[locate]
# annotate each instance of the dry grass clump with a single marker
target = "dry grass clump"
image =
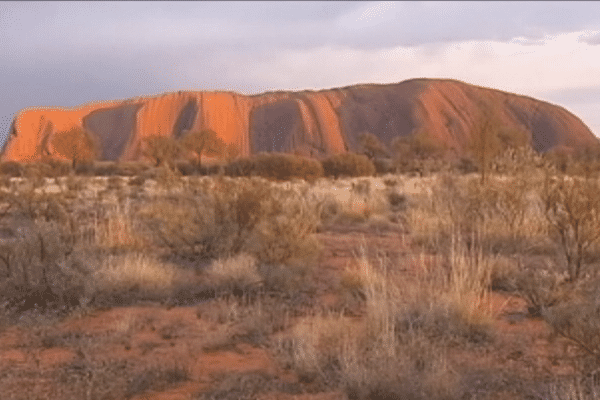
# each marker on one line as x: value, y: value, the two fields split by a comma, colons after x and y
x: 351, y: 200
x: 235, y: 273
x: 11, y: 169
x: 397, y: 348
x: 248, y: 318
x: 469, y: 283
x: 337, y: 353
x: 134, y: 271
x: 116, y: 231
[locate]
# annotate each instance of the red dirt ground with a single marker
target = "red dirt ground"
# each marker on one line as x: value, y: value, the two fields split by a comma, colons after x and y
x: 155, y: 335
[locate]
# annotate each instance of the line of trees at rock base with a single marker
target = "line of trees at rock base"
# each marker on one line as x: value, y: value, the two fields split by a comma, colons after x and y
x: 492, y: 148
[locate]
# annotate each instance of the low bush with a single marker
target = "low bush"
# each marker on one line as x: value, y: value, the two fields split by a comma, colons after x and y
x: 277, y: 166
x: 578, y: 321
x: 41, y: 265
x: 187, y: 168
x: 224, y: 217
x: 348, y: 164
x: 572, y: 208
x: 85, y: 169
x: 383, y: 166
x: 112, y: 168
x: 12, y: 169
x: 47, y: 169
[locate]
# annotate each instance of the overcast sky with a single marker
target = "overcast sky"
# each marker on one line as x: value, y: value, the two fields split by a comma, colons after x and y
x: 69, y: 53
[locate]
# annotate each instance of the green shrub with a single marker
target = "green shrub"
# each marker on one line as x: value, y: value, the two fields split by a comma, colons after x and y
x: 277, y: 166
x: 348, y: 164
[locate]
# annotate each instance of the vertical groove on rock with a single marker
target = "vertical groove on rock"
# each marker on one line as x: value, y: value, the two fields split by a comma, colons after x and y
x: 317, y: 123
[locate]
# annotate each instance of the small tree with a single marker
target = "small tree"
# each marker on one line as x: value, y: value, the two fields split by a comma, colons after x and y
x: 371, y: 146
x: 204, y: 142
x: 415, y: 149
x: 485, y: 143
x: 75, y: 144
x: 161, y: 149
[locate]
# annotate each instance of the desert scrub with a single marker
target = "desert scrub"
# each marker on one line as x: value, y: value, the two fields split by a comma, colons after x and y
x: 350, y: 200
x: 219, y: 217
x: 505, y: 211
x: 116, y: 230
x: 349, y: 165
x: 43, y: 258
x: 278, y: 166
x: 572, y: 208
x: 238, y: 273
x: 397, y: 349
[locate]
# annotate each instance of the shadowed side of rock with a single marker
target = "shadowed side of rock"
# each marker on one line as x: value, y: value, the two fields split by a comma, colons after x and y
x: 312, y: 123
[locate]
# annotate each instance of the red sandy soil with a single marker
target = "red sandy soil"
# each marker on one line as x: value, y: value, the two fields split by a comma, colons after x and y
x: 522, y: 347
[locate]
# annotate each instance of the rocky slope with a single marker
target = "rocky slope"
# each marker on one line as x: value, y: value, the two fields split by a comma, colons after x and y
x: 311, y: 123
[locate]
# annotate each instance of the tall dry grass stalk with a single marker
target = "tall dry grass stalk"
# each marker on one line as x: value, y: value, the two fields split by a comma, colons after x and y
x: 469, y: 285
x: 116, y: 231
x: 381, y: 299
x: 373, y: 353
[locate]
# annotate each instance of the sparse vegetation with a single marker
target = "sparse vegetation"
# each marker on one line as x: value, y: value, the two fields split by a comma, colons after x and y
x: 277, y: 166
x: 225, y: 217
x: 417, y: 152
x: 572, y: 207
x: 348, y: 165
x: 371, y: 146
x: 126, y: 249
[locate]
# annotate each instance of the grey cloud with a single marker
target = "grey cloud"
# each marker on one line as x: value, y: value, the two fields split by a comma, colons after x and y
x: 577, y: 95
x: 592, y: 40
x: 67, y: 53
x: 59, y: 29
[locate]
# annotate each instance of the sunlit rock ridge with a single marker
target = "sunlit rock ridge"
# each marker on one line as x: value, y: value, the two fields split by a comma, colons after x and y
x: 312, y: 123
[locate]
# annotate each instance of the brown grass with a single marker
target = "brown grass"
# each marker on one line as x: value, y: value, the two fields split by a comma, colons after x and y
x: 254, y: 244
x: 135, y: 270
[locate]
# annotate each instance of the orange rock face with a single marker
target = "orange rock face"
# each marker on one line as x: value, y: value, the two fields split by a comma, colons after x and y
x: 312, y: 123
